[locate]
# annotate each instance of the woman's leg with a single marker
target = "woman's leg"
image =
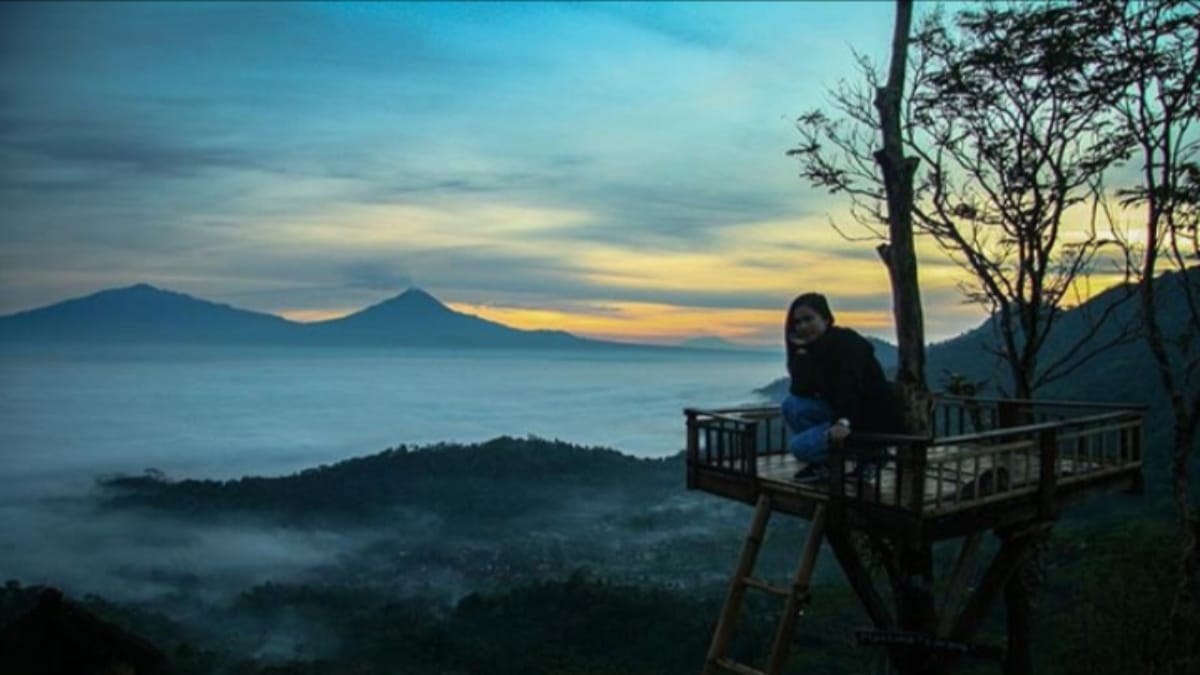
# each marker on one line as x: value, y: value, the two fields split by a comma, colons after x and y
x: 809, y: 420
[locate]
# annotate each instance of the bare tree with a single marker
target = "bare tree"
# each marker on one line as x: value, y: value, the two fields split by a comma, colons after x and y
x: 909, y: 563
x: 1006, y: 130
x: 899, y: 255
x: 1011, y: 131
x: 1155, y: 53
x: 897, y: 172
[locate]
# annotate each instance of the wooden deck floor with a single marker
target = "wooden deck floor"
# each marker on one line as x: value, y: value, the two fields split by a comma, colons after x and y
x: 963, y: 481
x: 999, y: 470
x: 946, y: 487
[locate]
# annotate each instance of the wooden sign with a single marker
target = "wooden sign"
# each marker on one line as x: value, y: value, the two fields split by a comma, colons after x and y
x: 899, y: 638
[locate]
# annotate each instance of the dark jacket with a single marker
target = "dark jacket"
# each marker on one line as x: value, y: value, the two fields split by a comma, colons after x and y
x: 840, y: 368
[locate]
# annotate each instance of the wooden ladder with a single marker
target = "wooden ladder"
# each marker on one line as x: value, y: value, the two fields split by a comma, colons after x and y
x: 796, y: 595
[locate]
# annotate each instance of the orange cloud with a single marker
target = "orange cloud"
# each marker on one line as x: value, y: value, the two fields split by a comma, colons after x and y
x: 662, y: 323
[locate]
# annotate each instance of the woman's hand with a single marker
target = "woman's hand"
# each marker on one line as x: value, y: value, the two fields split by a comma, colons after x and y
x: 839, y: 431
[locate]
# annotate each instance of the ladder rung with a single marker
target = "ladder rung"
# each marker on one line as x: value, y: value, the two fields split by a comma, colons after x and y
x: 755, y: 582
x: 802, y: 594
x: 734, y: 666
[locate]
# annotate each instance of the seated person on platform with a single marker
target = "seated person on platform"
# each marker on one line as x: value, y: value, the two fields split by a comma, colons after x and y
x: 836, y: 385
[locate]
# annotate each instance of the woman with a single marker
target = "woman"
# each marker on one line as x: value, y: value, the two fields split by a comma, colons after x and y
x: 836, y: 385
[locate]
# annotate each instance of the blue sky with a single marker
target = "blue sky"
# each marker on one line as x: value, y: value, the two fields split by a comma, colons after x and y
x: 613, y: 169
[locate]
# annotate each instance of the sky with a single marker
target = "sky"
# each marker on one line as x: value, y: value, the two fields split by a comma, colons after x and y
x: 616, y: 170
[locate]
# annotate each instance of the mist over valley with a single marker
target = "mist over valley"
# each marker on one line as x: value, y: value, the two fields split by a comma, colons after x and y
x: 294, y: 504
x: 178, y: 479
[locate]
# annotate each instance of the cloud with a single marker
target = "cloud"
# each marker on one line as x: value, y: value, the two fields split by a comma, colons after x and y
x: 376, y: 276
x: 664, y: 21
x: 115, y: 149
x: 301, y: 157
x: 141, y: 558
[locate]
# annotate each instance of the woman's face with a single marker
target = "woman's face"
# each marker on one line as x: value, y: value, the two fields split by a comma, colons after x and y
x: 807, y: 324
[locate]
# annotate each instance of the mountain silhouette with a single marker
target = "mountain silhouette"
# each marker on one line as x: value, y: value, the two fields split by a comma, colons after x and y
x: 417, y: 318
x: 143, y: 314
x: 714, y: 343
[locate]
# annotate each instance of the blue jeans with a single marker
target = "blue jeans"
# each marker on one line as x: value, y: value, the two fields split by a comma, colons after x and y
x: 809, y: 420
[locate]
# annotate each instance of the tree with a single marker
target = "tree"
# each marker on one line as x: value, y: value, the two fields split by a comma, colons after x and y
x: 912, y: 569
x: 1011, y: 131
x: 1009, y: 127
x: 897, y: 173
x: 1155, y: 62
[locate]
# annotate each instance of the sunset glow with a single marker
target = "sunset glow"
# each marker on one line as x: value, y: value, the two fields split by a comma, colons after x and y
x: 615, y: 170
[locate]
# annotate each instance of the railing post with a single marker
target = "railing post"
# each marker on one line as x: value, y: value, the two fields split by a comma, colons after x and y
x: 1136, y: 438
x: 1047, y: 477
x: 837, y: 472
x: 722, y: 429
x: 910, y: 488
x: 693, y: 447
x: 1006, y: 414
x: 750, y: 449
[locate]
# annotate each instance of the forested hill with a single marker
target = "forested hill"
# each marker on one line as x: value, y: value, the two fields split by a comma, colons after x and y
x: 501, y: 478
x: 972, y: 356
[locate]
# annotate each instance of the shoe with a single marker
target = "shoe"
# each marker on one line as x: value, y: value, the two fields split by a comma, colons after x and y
x: 812, y: 473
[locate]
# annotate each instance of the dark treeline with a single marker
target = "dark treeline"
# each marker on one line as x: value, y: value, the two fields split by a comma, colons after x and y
x: 505, y: 511
x: 1100, y: 611
x: 634, y: 589
x: 502, y: 478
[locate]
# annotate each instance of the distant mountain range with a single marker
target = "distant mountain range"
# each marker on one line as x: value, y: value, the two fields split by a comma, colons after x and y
x: 143, y: 314
x: 715, y: 343
x: 1125, y: 372
x: 885, y: 351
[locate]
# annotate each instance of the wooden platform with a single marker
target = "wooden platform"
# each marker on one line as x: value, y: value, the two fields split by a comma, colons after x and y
x: 995, y: 462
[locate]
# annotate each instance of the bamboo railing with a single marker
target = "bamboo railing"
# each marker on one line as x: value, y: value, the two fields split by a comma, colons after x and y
x: 981, y: 451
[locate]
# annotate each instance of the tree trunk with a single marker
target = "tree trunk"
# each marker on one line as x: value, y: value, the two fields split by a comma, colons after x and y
x: 1180, y: 650
x: 915, y: 610
x: 913, y: 586
x: 1183, y: 614
x: 899, y: 254
x: 1018, y: 608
